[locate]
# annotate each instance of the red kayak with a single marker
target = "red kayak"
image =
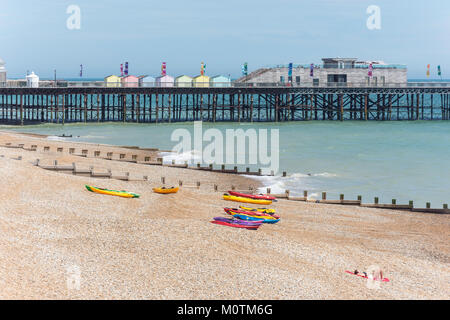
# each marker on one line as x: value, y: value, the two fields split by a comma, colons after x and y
x: 251, y: 196
x: 235, y: 225
x: 231, y: 211
x: 359, y: 275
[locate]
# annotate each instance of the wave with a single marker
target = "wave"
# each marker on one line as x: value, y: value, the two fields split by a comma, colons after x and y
x: 92, y: 137
x: 56, y: 138
x: 306, y: 175
x: 180, y: 158
x: 296, y: 183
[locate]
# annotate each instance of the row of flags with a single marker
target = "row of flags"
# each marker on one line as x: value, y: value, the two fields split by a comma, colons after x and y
x: 439, y: 72
x: 124, y: 71
x: 291, y: 66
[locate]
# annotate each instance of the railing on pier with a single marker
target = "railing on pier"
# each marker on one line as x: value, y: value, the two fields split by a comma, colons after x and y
x: 102, y: 84
x: 339, y: 66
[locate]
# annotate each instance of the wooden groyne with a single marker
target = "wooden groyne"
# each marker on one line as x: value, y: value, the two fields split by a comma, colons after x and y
x: 247, y: 104
x: 108, y: 174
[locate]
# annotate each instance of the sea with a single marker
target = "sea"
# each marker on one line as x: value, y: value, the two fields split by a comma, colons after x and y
x: 402, y: 160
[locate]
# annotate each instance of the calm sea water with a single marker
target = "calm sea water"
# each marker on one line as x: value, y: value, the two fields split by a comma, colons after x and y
x: 401, y: 160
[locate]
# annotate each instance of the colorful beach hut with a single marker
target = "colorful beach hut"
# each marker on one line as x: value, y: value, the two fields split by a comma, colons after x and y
x: 201, y: 81
x: 130, y: 81
x: 183, y: 81
x: 164, y: 81
x: 112, y: 81
x: 220, y: 81
x: 146, y: 81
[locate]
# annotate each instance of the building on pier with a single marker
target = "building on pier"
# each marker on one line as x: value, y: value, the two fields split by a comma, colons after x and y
x: 32, y: 80
x: 130, y: 81
x: 201, y: 81
x: 331, y: 71
x: 164, y: 81
x: 2, y: 71
x: 183, y: 81
x: 146, y: 81
x: 112, y: 81
x: 220, y: 81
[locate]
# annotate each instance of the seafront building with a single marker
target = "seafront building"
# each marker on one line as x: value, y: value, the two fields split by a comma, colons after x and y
x: 146, y: 81
x: 331, y: 71
x: 183, y: 81
x: 130, y: 81
x: 164, y: 81
x: 2, y: 71
x: 201, y: 81
x: 112, y: 81
x: 220, y: 81
x: 32, y: 80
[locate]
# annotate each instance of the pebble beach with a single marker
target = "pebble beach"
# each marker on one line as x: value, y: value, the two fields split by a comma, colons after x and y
x: 164, y: 246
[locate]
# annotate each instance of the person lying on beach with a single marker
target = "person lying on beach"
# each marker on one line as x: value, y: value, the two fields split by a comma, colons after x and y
x: 377, y: 276
x: 356, y: 272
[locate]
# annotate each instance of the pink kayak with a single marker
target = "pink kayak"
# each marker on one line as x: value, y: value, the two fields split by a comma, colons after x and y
x: 252, y: 196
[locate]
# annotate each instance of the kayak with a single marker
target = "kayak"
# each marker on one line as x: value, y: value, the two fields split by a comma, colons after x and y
x: 359, y: 275
x: 241, y: 222
x: 232, y: 223
x: 264, y: 210
x: 251, y: 196
x: 124, y: 194
x: 254, y: 213
x: 165, y: 190
x: 253, y: 218
x: 246, y: 200
x: 251, y: 213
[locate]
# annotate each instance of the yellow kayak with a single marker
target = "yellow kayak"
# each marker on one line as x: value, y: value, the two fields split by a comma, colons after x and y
x: 263, y: 210
x: 123, y: 194
x: 246, y: 200
x: 165, y: 190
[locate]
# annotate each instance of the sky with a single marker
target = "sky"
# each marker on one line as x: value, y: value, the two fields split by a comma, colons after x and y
x: 224, y: 34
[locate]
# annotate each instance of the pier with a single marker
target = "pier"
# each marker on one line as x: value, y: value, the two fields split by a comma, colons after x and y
x: 237, y: 103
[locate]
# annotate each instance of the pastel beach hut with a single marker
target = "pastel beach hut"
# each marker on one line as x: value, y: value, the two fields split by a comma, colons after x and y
x: 164, y: 81
x: 130, y: 81
x: 220, y: 81
x: 183, y: 81
x: 146, y: 81
x: 112, y: 81
x: 201, y: 81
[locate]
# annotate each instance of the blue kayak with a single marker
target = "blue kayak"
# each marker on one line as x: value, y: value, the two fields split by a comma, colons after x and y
x: 248, y: 218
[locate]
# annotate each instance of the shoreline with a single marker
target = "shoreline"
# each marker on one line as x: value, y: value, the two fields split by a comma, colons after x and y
x: 260, y: 183
x: 163, y: 247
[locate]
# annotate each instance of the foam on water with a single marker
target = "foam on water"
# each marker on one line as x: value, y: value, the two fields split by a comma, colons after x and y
x: 180, y: 158
x: 296, y: 183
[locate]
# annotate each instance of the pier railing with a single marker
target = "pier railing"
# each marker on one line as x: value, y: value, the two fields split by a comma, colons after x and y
x: 102, y: 84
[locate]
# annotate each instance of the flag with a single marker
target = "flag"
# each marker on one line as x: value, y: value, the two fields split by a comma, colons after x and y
x: 370, y: 73
x: 81, y: 70
x: 202, y: 69
x: 121, y: 70
x: 163, y: 69
x: 290, y: 70
x: 311, y: 70
x: 126, y: 68
x: 439, y: 71
x: 244, y: 69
